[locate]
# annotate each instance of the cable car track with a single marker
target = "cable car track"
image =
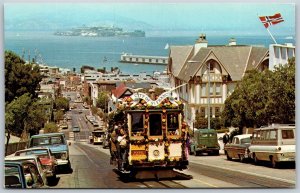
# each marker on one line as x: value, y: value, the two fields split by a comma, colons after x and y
x: 162, y: 184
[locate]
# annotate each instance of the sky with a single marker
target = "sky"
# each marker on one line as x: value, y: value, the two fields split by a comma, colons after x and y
x: 176, y: 17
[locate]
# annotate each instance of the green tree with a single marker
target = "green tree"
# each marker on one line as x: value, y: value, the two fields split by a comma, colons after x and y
x: 102, y: 100
x: 58, y: 115
x: 87, y: 100
x: 15, y: 115
x: 200, y: 122
x: 36, y: 117
x: 216, y: 123
x: 281, y: 101
x: 20, y: 78
x: 50, y: 128
x: 262, y: 98
x: 61, y: 103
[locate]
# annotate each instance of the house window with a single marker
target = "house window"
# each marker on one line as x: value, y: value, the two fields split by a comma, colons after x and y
x: 218, y: 89
x: 211, y: 89
x: 211, y: 67
x: 203, y: 89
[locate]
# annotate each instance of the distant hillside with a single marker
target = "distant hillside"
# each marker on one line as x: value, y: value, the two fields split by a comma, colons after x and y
x: 50, y: 20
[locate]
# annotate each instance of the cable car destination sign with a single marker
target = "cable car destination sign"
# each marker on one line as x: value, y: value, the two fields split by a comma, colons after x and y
x: 137, y: 96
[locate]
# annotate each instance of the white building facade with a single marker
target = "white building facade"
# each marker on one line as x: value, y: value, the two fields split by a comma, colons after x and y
x: 280, y: 54
x: 210, y: 74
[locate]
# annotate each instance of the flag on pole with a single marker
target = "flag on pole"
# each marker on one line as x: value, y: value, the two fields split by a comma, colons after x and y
x: 271, y: 20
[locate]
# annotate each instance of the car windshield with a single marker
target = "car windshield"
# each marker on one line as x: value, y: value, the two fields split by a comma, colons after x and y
x: 98, y: 134
x: 12, y: 176
x: 33, y: 152
x: 47, y: 141
x: 245, y: 140
x: 11, y: 170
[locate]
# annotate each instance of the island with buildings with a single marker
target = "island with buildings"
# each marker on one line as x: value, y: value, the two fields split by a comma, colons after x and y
x: 101, y: 31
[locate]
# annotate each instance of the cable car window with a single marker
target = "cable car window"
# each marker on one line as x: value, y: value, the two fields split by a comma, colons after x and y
x: 287, y: 134
x: 137, y: 123
x: 155, y: 124
x: 172, y: 124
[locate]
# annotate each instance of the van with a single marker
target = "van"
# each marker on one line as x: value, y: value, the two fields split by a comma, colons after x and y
x: 275, y: 143
x: 205, y: 141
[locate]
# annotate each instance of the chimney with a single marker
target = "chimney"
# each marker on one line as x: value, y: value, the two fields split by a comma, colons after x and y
x: 200, y: 43
x: 232, y: 42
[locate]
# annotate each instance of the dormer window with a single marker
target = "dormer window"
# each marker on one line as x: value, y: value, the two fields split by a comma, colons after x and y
x: 211, y: 67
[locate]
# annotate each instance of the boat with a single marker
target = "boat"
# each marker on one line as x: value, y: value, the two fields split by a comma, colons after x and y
x: 167, y: 46
x: 289, y: 38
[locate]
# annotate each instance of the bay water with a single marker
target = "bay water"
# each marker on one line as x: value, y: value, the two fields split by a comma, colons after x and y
x: 75, y: 51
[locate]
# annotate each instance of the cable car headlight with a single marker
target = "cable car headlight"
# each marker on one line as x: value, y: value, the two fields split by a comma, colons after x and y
x: 156, y: 153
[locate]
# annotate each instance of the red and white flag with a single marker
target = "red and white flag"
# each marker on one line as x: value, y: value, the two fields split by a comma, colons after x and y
x: 271, y: 20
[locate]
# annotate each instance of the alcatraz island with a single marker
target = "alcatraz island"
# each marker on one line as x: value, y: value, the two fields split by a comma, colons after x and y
x: 100, y: 31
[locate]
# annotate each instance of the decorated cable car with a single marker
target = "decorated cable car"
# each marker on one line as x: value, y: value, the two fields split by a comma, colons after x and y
x: 157, y: 135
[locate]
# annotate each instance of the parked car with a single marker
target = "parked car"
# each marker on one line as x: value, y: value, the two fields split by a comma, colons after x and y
x: 57, y: 143
x: 205, y: 141
x: 76, y: 129
x: 47, y: 159
x: 33, y: 159
x: 238, y: 148
x: 64, y: 126
x: 275, y: 143
x: 22, y: 174
x: 95, y: 123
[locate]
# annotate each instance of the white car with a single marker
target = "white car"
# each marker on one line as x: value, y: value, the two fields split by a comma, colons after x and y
x: 32, y: 158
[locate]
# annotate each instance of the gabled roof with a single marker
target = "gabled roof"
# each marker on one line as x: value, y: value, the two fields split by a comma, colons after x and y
x: 179, y: 55
x: 120, y: 90
x: 235, y: 59
x: 190, y: 68
x: 257, y: 54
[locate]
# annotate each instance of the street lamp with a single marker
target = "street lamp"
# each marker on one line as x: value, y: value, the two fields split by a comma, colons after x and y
x: 208, y: 102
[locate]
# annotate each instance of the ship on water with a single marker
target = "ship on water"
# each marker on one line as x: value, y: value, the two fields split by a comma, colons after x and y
x: 101, y: 31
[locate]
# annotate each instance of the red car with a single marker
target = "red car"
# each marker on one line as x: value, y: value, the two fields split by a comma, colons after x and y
x: 48, y: 161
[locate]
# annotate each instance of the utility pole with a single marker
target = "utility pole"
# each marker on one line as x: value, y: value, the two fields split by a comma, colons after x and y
x: 208, y: 102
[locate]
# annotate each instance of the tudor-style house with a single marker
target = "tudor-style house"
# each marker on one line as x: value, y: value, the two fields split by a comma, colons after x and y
x: 211, y: 72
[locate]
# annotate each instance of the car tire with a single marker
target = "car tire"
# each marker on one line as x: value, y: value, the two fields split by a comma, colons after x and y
x: 190, y: 152
x: 273, y: 162
x: 69, y: 168
x: 227, y: 156
x: 217, y: 152
x: 242, y: 158
x: 197, y: 153
x: 256, y: 161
